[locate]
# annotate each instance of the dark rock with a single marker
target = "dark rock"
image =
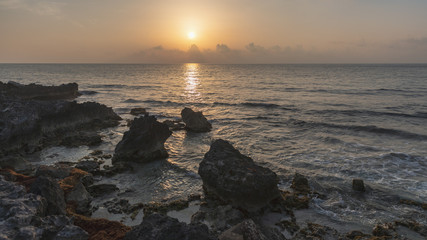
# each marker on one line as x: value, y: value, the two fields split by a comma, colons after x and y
x: 35, y: 91
x: 195, y: 121
x: 29, y: 125
x: 51, y: 191
x: 118, y: 167
x: 96, y: 153
x: 174, y: 125
x: 358, y: 185
x: 81, y: 198
x: 160, y: 227
x: 138, y: 111
x: 163, y: 208
x: 58, y: 172
x: 219, y: 217
x: 88, y: 166
x: 143, y: 142
x: 246, y: 230
x: 101, y: 189
x: 295, y: 200
x: 71, y: 232
x: 316, y: 231
x: 117, y: 206
x: 82, y: 138
x: 16, y: 163
x: 235, y: 177
x: 300, y: 184
x: 385, y: 229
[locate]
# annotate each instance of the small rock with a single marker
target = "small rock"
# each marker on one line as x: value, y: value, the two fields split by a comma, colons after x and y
x: 358, y: 185
x: 138, y: 111
x: 195, y: 121
x: 300, y: 184
x: 71, y: 232
x: 174, y: 125
x: 88, y: 166
x: 101, y: 189
x: 96, y: 153
x: 80, y: 139
x: 160, y: 227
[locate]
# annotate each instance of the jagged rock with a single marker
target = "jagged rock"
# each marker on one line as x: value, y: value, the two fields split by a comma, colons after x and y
x: 143, y: 142
x: 35, y: 91
x: 300, y: 184
x: 82, y: 138
x: 29, y: 125
x: 138, y: 111
x: 58, y: 172
x: 246, y: 230
x: 101, y: 189
x: 358, y: 185
x: 71, y: 232
x: 160, y: 227
x: 51, y: 191
x: 88, y: 166
x: 174, y: 125
x: 235, y: 177
x: 195, y: 121
x: 81, y: 198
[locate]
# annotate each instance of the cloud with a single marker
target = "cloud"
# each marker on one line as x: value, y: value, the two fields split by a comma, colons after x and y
x: 43, y: 7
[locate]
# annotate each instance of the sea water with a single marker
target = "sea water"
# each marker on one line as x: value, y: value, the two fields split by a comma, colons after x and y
x: 331, y: 123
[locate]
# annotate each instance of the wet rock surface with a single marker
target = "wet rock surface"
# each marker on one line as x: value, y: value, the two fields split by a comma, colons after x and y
x: 143, y: 142
x: 160, y: 227
x: 51, y: 191
x: 195, y: 121
x: 235, y: 177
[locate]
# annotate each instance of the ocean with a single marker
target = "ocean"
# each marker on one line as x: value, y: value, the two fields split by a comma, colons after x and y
x: 331, y: 123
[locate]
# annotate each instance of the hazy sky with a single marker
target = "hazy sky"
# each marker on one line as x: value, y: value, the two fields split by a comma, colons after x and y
x: 227, y: 31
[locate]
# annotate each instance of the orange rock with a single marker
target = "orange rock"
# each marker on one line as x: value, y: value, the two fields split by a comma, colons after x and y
x: 67, y: 184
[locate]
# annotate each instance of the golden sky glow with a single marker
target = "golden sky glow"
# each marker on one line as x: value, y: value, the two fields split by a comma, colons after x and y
x: 282, y: 31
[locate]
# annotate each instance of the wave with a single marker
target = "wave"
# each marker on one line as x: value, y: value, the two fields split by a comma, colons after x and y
x: 370, y: 113
x: 357, y: 128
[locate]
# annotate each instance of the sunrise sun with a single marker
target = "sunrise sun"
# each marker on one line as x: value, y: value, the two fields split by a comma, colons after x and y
x: 191, y: 35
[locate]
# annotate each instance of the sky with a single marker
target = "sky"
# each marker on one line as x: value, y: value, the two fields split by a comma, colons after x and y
x: 226, y: 31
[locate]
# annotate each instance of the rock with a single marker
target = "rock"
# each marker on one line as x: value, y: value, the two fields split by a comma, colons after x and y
x: 195, y: 121
x: 99, y: 228
x: 51, y: 191
x: 82, y: 138
x: 246, y: 230
x: 88, y: 166
x: 143, y: 142
x: 101, y: 189
x: 174, y: 125
x: 118, y: 206
x: 96, y: 153
x: 160, y: 227
x: 16, y: 163
x: 295, y: 200
x: 316, y: 231
x: 219, y: 217
x: 300, y: 184
x: 118, y: 167
x: 35, y: 91
x: 71, y: 232
x: 358, y: 185
x: 58, y: 172
x: 235, y: 177
x: 29, y: 125
x: 81, y: 198
x: 138, y: 111
x: 385, y: 229
x: 76, y: 176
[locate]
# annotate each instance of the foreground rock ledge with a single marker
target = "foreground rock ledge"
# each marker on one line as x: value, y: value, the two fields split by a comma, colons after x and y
x: 143, y: 142
x: 234, y: 177
x: 195, y: 121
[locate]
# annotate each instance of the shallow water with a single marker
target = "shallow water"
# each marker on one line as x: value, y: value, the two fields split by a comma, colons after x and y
x: 331, y: 123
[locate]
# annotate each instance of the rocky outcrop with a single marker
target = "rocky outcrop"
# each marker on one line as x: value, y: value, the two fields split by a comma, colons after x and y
x: 39, y: 92
x: 160, y: 227
x: 22, y: 216
x: 51, y: 191
x: 234, y: 177
x: 143, y: 142
x: 29, y: 125
x: 195, y: 121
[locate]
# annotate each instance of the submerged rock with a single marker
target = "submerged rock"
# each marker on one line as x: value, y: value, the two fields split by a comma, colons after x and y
x: 143, y: 142
x: 138, y: 111
x: 160, y: 227
x: 358, y: 185
x: 235, y: 177
x: 102, y: 189
x: 195, y: 121
x: 39, y: 92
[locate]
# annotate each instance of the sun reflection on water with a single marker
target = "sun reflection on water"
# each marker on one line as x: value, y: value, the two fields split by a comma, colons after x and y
x: 192, y: 82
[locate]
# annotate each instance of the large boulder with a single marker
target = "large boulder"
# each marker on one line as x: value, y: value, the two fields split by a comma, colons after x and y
x: 29, y: 125
x: 52, y: 192
x: 195, y: 121
x: 160, y: 227
x: 235, y: 178
x: 39, y: 92
x: 143, y: 142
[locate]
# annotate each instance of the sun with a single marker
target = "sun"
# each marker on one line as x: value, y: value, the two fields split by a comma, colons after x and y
x: 191, y: 35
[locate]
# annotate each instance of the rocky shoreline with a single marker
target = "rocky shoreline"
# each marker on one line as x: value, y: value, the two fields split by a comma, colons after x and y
x: 240, y: 199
